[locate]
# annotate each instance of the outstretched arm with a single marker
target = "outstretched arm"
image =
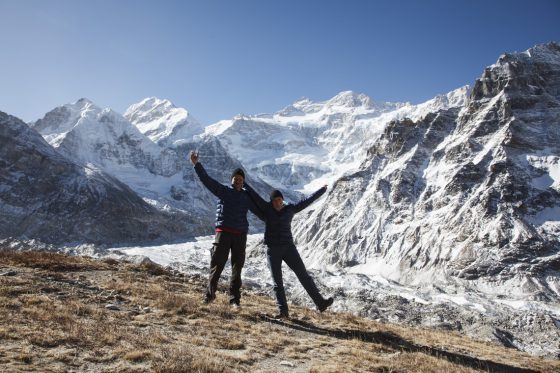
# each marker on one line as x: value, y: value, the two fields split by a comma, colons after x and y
x: 213, y: 186
x: 258, y: 205
x: 309, y: 200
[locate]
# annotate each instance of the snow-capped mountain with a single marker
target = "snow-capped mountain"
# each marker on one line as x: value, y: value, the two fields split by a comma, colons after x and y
x: 163, y: 122
x: 91, y: 135
x: 467, y: 196
x: 308, y: 144
x: 163, y: 175
x: 45, y: 196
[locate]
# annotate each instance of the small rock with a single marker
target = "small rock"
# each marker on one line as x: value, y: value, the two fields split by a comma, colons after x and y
x: 445, y: 326
x: 555, y: 321
x: 112, y: 307
x: 9, y: 273
x: 146, y: 310
x: 287, y: 363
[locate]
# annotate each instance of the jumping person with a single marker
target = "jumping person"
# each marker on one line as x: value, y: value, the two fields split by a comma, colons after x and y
x: 231, y: 229
x: 280, y: 246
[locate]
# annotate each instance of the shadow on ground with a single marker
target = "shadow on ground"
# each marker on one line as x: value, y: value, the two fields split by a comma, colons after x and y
x: 397, y: 343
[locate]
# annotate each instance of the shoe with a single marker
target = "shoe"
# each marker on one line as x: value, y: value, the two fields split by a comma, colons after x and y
x: 281, y: 316
x: 208, y: 299
x: 326, y: 303
x: 235, y: 306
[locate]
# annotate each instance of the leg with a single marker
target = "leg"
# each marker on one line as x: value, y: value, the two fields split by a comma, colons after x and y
x: 274, y: 260
x: 218, y: 259
x: 239, y: 243
x: 293, y: 260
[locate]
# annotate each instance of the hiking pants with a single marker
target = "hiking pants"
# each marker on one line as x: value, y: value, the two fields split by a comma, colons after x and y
x: 290, y: 255
x: 223, y: 243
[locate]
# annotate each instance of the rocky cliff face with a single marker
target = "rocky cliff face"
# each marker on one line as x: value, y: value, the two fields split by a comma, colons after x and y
x: 45, y: 196
x: 469, y: 195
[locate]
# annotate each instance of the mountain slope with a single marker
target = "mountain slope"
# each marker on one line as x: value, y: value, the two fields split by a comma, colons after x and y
x: 465, y: 196
x: 45, y: 196
x: 308, y: 144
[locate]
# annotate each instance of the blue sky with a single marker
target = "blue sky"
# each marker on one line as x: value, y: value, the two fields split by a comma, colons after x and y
x: 221, y: 58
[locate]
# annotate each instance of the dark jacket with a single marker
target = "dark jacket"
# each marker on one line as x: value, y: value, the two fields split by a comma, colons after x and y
x: 231, y: 210
x: 279, y: 223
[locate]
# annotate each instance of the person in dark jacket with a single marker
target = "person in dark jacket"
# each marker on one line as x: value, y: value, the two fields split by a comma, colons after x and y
x: 280, y: 246
x: 231, y: 229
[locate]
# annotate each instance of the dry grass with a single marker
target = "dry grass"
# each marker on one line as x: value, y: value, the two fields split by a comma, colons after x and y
x: 53, y: 316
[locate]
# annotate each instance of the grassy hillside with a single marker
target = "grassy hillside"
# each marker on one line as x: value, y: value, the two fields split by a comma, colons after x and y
x: 64, y: 313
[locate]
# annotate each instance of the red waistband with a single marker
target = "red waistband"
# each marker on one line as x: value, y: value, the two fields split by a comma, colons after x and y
x: 229, y: 230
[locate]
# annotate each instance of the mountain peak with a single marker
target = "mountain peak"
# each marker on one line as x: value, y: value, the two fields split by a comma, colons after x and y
x: 350, y: 99
x: 82, y: 104
x: 63, y: 118
x: 152, y: 103
x: 541, y: 63
x: 162, y: 121
x: 83, y: 101
x: 542, y: 53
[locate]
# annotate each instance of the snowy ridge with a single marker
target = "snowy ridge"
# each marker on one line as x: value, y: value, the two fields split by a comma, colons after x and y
x: 308, y: 144
x: 58, y: 122
x: 94, y: 135
x: 163, y: 122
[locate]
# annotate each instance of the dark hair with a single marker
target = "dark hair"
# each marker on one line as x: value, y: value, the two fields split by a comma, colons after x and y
x: 239, y: 172
x: 275, y: 194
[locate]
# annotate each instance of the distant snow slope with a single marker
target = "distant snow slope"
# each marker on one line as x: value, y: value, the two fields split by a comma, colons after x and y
x: 308, y: 144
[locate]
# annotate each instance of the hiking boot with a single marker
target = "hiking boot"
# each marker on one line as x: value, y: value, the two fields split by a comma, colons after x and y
x: 235, y: 306
x: 281, y: 316
x: 326, y: 303
x: 208, y: 299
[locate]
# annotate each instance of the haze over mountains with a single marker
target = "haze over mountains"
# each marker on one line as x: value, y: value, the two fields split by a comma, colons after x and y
x: 462, y: 190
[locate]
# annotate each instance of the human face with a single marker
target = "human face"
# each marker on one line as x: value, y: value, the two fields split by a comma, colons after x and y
x: 278, y: 203
x: 237, y: 182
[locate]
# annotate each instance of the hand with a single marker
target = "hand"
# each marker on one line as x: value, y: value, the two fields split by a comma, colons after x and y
x: 325, y: 186
x: 194, y: 157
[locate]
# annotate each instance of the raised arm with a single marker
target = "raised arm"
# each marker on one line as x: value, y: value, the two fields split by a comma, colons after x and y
x: 213, y: 186
x: 258, y: 204
x: 309, y: 200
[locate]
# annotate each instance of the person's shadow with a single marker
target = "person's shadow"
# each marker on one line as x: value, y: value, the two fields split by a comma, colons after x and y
x: 397, y: 343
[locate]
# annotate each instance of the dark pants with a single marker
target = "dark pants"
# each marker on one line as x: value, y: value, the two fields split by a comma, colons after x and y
x: 223, y: 243
x: 290, y: 255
